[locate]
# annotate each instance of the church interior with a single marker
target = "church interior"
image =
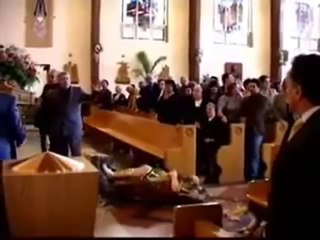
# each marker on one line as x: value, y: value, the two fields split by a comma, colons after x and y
x: 133, y: 118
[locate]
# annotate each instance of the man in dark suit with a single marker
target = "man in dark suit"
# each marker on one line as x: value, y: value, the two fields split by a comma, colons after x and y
x: 148, y: 95
x: 12, y: 132
x: 66, y: 127
x: 295, y: 178
x: 43, y: 115
x: 254, y: 111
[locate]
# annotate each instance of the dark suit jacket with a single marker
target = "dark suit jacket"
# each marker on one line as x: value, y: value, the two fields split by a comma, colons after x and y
x: 255, y: 109
x: 168, y: 110
x: 190, y: 114
x: 120, y: 101
x: 12, y: 132
x: 43, y: 115
x: 148, y: 97
x: 295, y: 184
x: 105, y: 99
x: 66, y: 111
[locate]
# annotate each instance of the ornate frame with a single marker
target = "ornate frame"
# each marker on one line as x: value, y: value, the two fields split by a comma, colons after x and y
x: 233, y: 37
x: 312, y: 43
x: 135, y: 28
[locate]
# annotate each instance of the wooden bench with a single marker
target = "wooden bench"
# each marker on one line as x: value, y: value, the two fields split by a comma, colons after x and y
x: 270, y: 150
x: 198, y: 220
x: 126, y: 110
x: 176, y: 145
x: 257, y: 195
x: 231, y: 157
x: 204, y: 220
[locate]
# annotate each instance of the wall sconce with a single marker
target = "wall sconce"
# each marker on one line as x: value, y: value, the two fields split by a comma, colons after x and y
x: 199, y: 55
x: 283, y: 57
x: 97, y: 50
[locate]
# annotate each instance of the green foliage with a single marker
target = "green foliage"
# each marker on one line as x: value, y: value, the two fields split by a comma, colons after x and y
x: 17, y: 66
x: 147, y: 67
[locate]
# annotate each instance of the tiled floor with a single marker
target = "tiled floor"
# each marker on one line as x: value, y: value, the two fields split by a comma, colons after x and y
x: 133, y: 221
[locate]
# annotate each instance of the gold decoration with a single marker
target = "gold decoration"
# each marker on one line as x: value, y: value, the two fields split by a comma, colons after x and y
x: 122, y: 77
x: 238, y: 131
x: 72, y: 69
x: 165, y: 73
x: 189, y: 132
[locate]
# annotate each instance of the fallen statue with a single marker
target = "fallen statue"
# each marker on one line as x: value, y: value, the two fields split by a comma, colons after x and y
x: 153, y: 185
x: 146, y: 183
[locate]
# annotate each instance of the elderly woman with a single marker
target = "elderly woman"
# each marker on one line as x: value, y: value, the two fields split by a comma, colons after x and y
x: 12, y: 133
x: 119, y: 99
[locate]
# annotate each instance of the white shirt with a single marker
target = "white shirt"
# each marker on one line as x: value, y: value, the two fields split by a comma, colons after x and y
x: 198, y: 103
x: 117, y: 96
x: 210, y: 119
x: 306, y: 115
x: 161, y: 94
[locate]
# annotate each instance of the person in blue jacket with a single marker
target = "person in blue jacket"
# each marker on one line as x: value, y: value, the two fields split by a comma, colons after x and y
x: 12, y: 132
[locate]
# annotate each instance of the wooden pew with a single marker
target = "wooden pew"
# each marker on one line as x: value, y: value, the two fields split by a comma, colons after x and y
x: 270, y: 150
x: 150, y: 115
x: 197, y: 220
x: 231, y: 157
x: 176, y: 145
x: 203, y: 220
x: 257, y: 195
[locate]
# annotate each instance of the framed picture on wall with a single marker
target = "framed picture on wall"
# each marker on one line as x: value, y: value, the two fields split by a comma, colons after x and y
x: 305, y: 27
x: 144, y: 19
x: 232, y: 22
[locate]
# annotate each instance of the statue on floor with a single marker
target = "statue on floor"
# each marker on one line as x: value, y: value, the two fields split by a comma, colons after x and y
x: 146, y: 183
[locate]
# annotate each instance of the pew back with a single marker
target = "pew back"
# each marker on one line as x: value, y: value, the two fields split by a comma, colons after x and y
x: 231, y: 157
x: 197, y: 219
x: 270, y: 150
x: 174, y: 144
x: 126, y: 110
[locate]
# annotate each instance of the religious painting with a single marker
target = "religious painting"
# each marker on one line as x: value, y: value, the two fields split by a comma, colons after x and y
x: 144, y: 19
x: 234, y: 68
x: 232, y: 21
x: 39, y: 23
x: 305, y: 28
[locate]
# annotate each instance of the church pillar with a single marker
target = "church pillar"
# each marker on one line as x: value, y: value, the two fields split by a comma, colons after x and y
x: 194, y: 39
x: 95, y: 40
x: 276, y: 40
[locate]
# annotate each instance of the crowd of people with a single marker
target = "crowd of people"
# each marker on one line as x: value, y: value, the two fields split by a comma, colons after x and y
x: 210, y: 106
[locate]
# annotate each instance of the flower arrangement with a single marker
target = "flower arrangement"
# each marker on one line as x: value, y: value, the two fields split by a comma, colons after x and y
x: 17, y: 67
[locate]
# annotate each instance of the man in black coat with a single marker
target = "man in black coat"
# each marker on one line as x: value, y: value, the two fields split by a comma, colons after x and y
x: 66, y: 127
x: 295, y: 178
x: 43, y: 115
x: 255, y: 110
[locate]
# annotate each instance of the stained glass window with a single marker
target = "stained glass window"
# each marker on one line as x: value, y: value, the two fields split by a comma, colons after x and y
x: 300, y: 28
x: 304, y: 25
x: 145, y: 19
x: 233, y: 22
